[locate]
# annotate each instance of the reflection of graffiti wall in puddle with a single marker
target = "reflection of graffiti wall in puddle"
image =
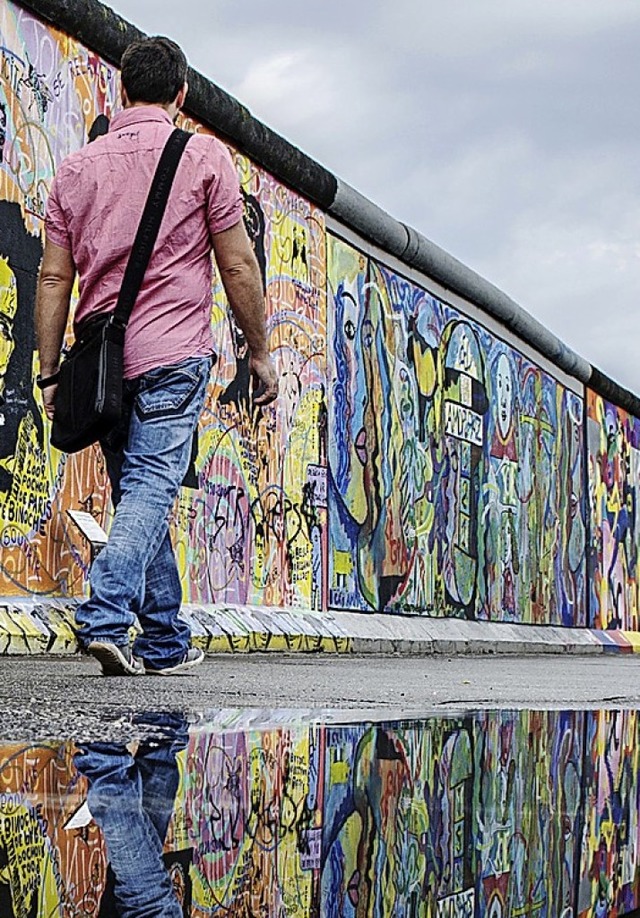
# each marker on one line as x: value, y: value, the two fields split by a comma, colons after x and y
x: 470, y: 815
x: 614, y: 497
x: 496, y: 814
x: 455, y: 463
x: 251, y: 811
x: 45, y: 868
x: 610, y: 855
x: 398, y: 820
x: 528, y: 774
x: 255, y: 532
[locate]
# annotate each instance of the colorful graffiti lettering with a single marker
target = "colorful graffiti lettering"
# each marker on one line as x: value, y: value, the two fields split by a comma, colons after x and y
x: 47, y: 105
x: 256, y: 531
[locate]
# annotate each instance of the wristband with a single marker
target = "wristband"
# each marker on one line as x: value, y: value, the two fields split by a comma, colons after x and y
x: 44, y: 383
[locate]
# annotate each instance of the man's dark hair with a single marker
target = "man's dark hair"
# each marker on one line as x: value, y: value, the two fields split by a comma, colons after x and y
x: 153, y: 70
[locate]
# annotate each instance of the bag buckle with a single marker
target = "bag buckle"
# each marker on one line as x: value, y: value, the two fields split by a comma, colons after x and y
x: 117, y: 323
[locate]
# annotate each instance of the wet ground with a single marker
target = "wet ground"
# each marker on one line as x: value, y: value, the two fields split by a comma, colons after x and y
x: 44, y: 697
x: 306, y: 787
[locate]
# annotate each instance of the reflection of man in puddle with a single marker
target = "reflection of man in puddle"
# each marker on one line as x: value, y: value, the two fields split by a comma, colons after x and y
x: 131, y: 794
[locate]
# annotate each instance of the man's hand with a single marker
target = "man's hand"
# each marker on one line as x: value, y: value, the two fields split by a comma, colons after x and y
x: 48, y: 397
x: 264, y: 378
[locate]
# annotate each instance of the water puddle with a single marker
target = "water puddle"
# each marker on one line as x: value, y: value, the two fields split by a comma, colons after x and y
x: 239, y: 813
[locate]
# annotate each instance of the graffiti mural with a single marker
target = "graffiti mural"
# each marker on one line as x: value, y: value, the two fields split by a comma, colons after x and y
x: 51, y: 92
x: 255, y: 530
x: 493, y: 815
x: 455, y: 464
x: 614, y: 492
x: 414, y: 463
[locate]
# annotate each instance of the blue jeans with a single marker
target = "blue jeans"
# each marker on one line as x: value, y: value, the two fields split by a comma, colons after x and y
x: 136, y: 572
x: 131, y: 799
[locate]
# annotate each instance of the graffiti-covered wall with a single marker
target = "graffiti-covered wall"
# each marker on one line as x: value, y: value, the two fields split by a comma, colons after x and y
x: 497, y: 814
x: 614, y: 482
x: 51, y: 91
x: 455, y: 463
x: 419, y: 459
x: 255, y: 530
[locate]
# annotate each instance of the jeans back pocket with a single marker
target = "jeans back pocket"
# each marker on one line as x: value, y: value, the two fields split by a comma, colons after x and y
x: 168, y: 391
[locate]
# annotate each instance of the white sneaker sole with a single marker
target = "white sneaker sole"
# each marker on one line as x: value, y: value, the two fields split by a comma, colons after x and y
x: 176, y: 670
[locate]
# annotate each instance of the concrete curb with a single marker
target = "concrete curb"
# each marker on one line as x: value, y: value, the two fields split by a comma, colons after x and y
x: 33, y: 627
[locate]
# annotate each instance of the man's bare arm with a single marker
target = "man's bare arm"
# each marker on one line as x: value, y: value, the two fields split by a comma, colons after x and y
x: 240, y: 276
x: 55, y: 284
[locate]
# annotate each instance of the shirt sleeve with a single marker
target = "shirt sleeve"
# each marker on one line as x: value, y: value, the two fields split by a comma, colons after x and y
x: 55, y: 222
x: 224, y: 200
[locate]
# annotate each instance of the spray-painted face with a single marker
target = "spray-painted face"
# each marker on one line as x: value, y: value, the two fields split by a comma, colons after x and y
x: 349, y: 447
x: 504, y: 386
x: 8, y: 306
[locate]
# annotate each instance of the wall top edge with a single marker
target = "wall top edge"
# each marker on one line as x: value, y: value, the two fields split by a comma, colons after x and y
x: 105, y: 32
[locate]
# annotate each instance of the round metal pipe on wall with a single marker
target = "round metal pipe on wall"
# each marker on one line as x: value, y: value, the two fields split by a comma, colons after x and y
x: 101, y: 29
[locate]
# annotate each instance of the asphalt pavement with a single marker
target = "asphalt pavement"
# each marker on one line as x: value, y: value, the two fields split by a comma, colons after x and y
x: 67, y: 698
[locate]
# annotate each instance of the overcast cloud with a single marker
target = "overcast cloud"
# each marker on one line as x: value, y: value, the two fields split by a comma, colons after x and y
x: 504, y: 130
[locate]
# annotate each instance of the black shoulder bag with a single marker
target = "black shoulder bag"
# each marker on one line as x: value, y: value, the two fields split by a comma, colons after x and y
x: 88, y: 400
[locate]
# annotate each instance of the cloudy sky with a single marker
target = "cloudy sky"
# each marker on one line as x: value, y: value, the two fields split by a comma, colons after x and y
x: 504, y: 130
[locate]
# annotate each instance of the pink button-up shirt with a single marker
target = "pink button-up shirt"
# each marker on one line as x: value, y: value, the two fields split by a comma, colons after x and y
x: 96, y: 201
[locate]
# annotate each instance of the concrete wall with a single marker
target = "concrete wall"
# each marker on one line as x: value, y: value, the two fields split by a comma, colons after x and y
x: 434, y: 451
x: 501, y: 813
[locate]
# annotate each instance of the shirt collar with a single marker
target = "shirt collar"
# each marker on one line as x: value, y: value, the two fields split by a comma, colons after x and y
x: 139, y: 114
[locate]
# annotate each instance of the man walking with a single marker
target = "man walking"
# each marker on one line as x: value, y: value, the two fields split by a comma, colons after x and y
x: 94, y: 208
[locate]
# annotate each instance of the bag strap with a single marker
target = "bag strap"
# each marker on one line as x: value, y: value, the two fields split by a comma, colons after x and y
x: 149, y: 225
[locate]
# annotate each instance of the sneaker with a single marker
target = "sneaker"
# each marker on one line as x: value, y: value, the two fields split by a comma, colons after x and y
x: 115, y: 659
x: 193, y: 657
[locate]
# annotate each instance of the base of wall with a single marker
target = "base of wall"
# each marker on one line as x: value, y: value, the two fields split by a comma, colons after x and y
x: 47, y: 627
